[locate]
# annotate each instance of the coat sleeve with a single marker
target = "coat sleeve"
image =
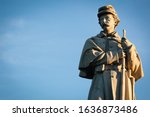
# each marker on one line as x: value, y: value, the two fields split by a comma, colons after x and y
x: 134, y: 63
x: 93, y: 54
x: 89, y: 53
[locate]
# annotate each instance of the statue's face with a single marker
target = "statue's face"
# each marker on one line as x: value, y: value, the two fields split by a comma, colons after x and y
x: 107, y: 21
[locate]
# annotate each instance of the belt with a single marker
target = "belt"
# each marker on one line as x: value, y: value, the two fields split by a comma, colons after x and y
x: 104, y: 67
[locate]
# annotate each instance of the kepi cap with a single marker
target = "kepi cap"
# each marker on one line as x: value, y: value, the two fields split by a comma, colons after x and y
x: 109, y: 9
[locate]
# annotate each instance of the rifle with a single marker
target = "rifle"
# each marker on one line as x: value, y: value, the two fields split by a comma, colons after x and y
x: 123, y: 72
x: 123, y: 78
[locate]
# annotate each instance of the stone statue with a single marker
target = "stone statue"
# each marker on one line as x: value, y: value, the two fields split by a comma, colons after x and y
x: 110, y: 61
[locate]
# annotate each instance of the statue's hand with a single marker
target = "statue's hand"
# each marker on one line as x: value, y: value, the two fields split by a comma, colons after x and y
x: 126, y: 43
x: 121, y: 54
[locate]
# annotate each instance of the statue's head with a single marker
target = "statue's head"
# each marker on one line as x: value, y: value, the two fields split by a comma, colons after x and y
x: 107, y: 11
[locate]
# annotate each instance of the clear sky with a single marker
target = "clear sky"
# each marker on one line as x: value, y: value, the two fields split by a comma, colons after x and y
x: 41, y: 43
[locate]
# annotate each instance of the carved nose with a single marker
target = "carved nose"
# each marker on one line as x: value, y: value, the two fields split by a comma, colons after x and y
x: 104, y: 20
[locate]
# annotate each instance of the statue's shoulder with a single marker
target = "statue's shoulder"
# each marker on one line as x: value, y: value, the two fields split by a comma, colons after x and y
x: 98, y: 39
x: 95, y: 41
x: 95, y: 38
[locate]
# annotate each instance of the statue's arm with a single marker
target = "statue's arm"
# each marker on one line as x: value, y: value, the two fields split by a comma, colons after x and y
x: 109, y: 57
x: 133, y: 59
x: 93, y: 55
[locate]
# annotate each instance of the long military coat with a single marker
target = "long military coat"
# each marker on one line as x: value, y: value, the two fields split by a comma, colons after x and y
x: 101, y: 63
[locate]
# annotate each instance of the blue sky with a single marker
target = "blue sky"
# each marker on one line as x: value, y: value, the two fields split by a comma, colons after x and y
x: 41, y: 42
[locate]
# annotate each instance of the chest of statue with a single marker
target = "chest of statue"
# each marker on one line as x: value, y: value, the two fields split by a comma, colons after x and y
x: 108, y: 43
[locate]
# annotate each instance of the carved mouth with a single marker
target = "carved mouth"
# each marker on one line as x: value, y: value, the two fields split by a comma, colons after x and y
x: 105, y: 25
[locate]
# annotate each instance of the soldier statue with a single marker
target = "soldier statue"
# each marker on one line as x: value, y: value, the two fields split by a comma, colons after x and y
x: 111, y: 61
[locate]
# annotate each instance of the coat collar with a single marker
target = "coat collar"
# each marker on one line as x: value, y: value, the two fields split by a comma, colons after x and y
x: 114, y: 35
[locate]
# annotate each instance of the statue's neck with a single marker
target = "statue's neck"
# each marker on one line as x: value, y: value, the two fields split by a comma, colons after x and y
x: 109, y: 31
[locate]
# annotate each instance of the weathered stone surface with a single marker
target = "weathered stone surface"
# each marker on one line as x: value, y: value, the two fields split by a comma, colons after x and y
x: 111, y: 61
